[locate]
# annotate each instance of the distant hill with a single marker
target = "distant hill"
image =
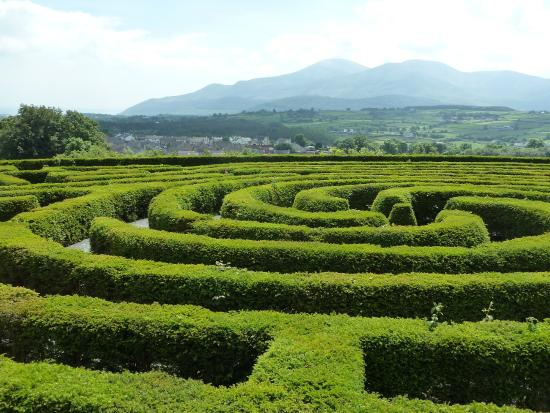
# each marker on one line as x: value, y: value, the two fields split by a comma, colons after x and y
x: 338, y: 84
x: 329, y: 103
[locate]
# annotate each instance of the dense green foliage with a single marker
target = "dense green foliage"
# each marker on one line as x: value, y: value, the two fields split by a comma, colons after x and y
x: 402, y: 214
x: 39, y: 132
x: 326, y: 352
x: 342, y: 303
x: 116, y: 238
x: 13, y: 205
x: 433, y: 130
x: 507, y: 217
x: 451, y: 229
x: 48, y: 268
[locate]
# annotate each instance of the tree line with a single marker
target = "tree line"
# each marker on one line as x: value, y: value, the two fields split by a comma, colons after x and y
x: 362, y: 144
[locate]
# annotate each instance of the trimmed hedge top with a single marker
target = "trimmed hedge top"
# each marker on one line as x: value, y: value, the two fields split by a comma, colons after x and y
x: 255, y: 287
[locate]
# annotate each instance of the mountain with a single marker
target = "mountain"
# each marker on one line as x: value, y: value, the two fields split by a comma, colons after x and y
x: 340, y: 84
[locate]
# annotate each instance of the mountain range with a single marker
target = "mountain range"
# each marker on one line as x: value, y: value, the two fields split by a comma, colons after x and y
x: 339, y: 84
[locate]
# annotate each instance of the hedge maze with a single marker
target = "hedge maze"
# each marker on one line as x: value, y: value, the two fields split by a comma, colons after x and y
x: 290, y: 284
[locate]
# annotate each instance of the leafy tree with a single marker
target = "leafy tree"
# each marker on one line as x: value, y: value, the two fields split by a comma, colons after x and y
x: 402, y: 147
x: 393, y: 146
x: 300, y: 139
x: 42, y: 132
x: 440, y: 147
x: 357, y: 143
x: 346, y: 144
x: 77, y: 125
x: 535, y: 143
x: 79, y: 148
x: 360, y: 142
x: 423, y: 147
x: 389, y: 147
x: 283, y: 146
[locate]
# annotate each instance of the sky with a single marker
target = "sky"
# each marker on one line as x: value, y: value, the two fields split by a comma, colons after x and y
x: 106, y: 55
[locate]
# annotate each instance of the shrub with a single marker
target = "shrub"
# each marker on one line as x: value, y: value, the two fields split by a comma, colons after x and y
x: 68, y: 330
x: 252, y: 204
x: 428, y: 201
x: 11, y: 180
x: 456, y: 228
x: 501, y: 361
x: 68, y: 221
x: 460, y: 363
x: 50, y: 269
x: 402, y: 214
x: 114, y: 237
x: 507, y: 217
x: 13, y: 205
x: 302, y: 351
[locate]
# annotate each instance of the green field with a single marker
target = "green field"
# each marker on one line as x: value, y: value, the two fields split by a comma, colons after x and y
x: 501, y: 130
x: 449, y: 124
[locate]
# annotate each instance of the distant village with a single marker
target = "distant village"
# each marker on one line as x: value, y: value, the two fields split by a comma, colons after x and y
x: 200, y: 145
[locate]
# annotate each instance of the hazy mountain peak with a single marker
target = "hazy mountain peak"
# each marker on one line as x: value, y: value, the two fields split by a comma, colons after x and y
x: 334, y: 82
x: 338, y: 65
x: 426, y: 67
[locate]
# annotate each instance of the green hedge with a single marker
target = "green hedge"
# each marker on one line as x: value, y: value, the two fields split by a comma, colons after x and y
x: 339, y: 198
x: 34, y: 177
x: 283, y: 362
x: 402, y: 214
x: 308, y: 363
x: 51, y: 269
x: 502, y: 363
x: 313, y: 200
x: 178, y: 208
x: 46, y: 195
x: 13, y: 205
x: 68, y: 221
x: 449, y: 229
x: 212, y: 160
x: 88, y: 332
x: 428, y: 201
x: 11, y: 180
x: 114, y: 237
x: 262, y: 204
x: 506, y: 217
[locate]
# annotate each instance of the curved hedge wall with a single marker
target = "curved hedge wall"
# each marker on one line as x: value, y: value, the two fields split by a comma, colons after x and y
x: 275, y: 284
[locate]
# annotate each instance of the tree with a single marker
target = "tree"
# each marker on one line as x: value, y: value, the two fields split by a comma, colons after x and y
x: 465, y: 147
x: 283, y: 147
x: 394, y: 146
x: 535, y: 143
x: 43, y: 132
x: 440, y: 147
x: 346, y: 144
x: 357, y: 143
x: 299, y: 139
x: 389, y: 147
x: 402, y: 147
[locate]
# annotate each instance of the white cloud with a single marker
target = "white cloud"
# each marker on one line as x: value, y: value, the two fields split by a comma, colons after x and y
x: 83, y: 61
x: 76, y: 59
x: 470, y: 35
